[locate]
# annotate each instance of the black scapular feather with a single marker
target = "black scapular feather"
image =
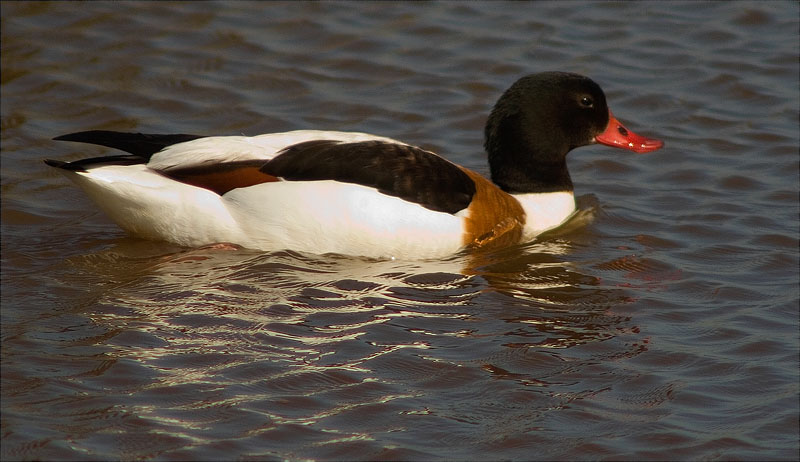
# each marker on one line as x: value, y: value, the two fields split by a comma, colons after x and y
x: 399, y: 170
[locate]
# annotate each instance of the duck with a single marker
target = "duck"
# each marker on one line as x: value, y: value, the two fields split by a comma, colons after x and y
x: 353, y: 193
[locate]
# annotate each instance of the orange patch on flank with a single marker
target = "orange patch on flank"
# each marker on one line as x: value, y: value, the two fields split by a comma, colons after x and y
x: 224, y: 180
x: 494, y: 218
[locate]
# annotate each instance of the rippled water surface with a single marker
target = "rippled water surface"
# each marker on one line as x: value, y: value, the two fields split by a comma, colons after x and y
x: 661, y: 325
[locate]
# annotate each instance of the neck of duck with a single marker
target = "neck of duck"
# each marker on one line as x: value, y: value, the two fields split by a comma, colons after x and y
x: 521, y: 165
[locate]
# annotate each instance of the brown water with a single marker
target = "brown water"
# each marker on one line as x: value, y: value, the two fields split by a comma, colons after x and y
x: 664, y: 325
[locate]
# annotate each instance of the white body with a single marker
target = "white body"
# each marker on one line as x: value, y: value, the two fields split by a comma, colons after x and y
x: 312, y: 216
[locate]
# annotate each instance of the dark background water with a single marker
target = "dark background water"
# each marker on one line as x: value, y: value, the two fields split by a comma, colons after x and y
x: 664, y: 327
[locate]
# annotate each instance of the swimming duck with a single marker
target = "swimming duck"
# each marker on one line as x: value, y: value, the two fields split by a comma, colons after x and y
x: 355, y: 193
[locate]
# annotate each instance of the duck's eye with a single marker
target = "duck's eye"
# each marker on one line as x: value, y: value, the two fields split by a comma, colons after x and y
x: 587, y: 101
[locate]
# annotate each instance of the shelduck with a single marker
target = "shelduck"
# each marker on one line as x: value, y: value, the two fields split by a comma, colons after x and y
x: 355, y: 193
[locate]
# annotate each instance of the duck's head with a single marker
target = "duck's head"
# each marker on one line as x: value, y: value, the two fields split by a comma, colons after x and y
x: 542, y: 117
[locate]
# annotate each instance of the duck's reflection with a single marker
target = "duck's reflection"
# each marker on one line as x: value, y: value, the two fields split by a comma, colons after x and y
x: 309, y: 309
x: 288, y: 339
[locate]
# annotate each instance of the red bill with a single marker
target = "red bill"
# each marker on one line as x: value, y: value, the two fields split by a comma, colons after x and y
x: 618, y: 136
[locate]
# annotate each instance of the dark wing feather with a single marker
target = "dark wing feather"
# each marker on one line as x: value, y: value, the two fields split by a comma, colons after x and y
x: 138, y: 144
x: 399, y: 170
x: 141, y: 146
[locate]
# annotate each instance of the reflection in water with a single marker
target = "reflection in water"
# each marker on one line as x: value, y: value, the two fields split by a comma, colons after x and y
x: 302, y: 306
x: 341, y: 346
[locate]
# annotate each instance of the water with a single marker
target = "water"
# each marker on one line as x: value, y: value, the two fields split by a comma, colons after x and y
x: 662, y: 325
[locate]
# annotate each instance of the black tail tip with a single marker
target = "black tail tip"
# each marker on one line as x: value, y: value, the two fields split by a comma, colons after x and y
x: 64, y: 165
x: 85, y: 137
x: 55, y: 163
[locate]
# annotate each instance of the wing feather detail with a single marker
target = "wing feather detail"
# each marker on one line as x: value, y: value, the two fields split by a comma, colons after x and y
x: 394, y: 169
